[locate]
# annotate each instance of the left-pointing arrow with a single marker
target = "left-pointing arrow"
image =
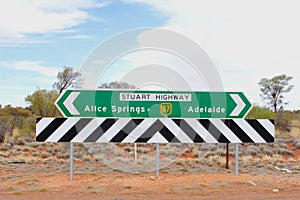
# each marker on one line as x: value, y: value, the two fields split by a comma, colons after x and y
x: 240, y: 105
x: 68, y: 103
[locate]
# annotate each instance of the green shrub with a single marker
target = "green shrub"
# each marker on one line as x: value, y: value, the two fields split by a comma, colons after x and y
x: 258, y: 112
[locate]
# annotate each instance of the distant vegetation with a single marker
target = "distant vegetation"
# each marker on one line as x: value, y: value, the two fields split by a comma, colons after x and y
x: 283, y: 119
x: 272, y: 90
x: 12, y: 118
x: 18, y: 122
x: 69, y: 77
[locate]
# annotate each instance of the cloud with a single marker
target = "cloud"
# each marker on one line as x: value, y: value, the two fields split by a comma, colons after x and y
x: 253, y: 39
x: 21, y: 42
x: 19, y: 18
x: 31, y: 66
x: 75, y: 37
x: 98, y: 62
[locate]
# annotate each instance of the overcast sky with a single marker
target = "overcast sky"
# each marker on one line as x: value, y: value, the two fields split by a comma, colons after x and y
x: 246, y: 40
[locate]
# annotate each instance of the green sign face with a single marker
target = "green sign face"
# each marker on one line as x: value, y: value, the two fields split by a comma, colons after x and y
x: 154, y: 104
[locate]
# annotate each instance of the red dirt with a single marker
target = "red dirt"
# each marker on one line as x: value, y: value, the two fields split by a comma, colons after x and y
x: 188, y: 155
x: 36, y: 186
x: 290, y: 145
x: 21, y: 182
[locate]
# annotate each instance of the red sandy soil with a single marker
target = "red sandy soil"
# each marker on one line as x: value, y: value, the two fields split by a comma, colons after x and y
x: 36, y: 186
x: 43, y: 181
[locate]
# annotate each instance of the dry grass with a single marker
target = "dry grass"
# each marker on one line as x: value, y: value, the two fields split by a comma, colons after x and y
x: 294, y: 133
x: 181, y: 157
x: 6, y: 146
x: 16, y: 135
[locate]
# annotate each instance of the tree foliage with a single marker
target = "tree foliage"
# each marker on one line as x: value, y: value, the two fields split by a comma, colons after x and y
x: 69, y: 77
x: 11, y: 118
x: 117, y: 85
x: 6, y: 124
x: 258, y: 112
x: 272, y: 90
x: 42, y: 103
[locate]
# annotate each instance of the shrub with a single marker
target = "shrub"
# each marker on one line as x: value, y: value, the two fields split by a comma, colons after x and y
x: 87, y: 158
x: 283, y: 121
x: 297, y: 145
x: 6, y: 146
x: 2, y: 136
x: 20, y: 141
x: 258, y: 112
x: 45, y: 155
x: 284, y: 152
x: 181, y: 161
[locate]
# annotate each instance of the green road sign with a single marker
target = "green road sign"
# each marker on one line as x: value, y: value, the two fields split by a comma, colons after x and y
x: 154, y: 104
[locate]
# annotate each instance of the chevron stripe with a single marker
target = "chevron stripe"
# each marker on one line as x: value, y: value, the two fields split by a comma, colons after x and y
x: 62, y: 129
x: 138, y: 131
x: 190, y: 132
x: 158, y: 126
x: 128, y: 128
x: 91, y: 127
x: 74, y: 130
x: 238, y: 129
x: 221, y: 126
x: 252, y: 134
x: 206, y: 123
x: 201, y: 131
x: 152, y: 130
x: 262, y: 130
x: 113, y: 130
x: 42, y: 124
x: 45, y: 127
x: 100, y: 130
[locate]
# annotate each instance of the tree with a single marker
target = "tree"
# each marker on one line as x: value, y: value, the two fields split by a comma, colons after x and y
x: 6, y: 124
x: 42, y: 103
x: 69, y: 77
x: 11, y: 118
x: 117, y: 85
x: 272, y: 90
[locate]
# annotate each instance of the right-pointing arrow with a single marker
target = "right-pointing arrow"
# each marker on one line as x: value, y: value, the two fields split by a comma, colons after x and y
x: 68, y: 103
x: 240, y: 105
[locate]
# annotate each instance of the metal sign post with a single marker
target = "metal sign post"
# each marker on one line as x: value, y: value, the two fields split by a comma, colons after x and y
x: 227, y: 156
x: 71, y: 160
x: 135, y: 153
x: 157, y: 159
x: 124, y: 116
x: 236, y: 159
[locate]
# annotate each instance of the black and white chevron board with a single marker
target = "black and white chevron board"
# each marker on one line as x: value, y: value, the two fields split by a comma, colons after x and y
x: 154, y: 130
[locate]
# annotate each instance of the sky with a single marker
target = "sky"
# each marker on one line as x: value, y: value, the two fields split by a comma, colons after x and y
x: 246, y: 40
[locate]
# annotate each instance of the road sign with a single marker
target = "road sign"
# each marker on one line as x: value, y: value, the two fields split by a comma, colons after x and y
x: 155, y: 104
x: 153, y: 130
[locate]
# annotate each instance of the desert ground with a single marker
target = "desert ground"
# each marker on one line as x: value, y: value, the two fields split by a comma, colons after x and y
x: 31, y: 170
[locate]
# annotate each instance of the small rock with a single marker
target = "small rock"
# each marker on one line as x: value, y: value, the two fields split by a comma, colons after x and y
x: 252, y: 183
x: 153, y: 178
x: 275, y: 190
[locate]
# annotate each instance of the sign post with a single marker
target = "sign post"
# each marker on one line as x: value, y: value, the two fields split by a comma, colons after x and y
x: 236, y: 159
x: 71, y: 160
x: 157, y: 159
x: 125, y: 116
